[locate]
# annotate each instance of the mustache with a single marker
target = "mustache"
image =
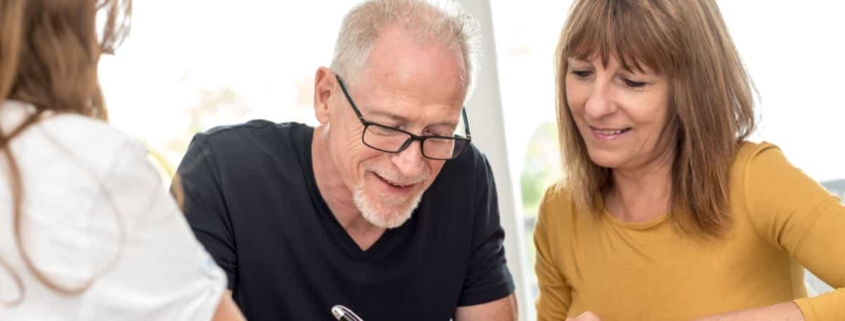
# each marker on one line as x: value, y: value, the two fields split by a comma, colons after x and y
x: 398, y: 179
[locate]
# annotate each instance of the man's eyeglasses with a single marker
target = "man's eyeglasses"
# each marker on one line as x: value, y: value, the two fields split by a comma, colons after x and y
x: 393, y: 140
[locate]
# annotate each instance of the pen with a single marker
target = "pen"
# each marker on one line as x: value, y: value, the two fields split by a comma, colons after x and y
x: 342, y: 313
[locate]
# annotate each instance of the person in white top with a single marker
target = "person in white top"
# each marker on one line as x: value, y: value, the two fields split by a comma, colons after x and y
x: 87, y: 229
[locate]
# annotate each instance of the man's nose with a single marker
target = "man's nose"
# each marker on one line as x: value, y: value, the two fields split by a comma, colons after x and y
x: 410, y: 161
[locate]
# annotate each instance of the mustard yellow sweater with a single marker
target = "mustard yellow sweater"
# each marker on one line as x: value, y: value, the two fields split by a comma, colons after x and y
x: 782, y: 220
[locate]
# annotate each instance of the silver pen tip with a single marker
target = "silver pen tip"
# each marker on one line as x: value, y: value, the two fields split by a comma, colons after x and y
x: 338, y: 312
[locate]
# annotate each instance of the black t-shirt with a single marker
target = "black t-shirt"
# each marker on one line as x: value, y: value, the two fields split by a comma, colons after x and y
x: 251, y: 199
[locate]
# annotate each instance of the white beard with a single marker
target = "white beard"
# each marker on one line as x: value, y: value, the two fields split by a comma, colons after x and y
x: 391, y: 216
x: 386, y: 211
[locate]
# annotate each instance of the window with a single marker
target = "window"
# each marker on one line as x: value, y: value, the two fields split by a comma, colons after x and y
x: 191, y: 65
x: 526, y: 36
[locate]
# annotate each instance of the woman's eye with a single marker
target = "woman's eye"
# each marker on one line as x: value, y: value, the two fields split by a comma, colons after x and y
x: 582, y: 73
x: 633, y: 84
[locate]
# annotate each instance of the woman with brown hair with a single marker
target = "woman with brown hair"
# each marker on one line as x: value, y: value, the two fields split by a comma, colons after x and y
x: 666, y: 211
x: 88, y: 232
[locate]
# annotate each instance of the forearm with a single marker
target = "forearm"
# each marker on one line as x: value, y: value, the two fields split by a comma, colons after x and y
x: 227, y: 310
x: 504, y: 309
x: 787, y: 311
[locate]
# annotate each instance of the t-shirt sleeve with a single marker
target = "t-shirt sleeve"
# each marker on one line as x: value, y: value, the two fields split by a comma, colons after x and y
x: 205, y: 207
x: 160, y: 271
x: 488, y: 277
x: 796, y: 213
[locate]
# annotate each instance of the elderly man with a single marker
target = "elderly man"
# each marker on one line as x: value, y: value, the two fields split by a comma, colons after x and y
x: 385, y: 208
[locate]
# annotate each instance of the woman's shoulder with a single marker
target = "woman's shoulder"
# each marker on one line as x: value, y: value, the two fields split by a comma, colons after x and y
x: 558, y: 204
x: 81, y: 147
x: 749, y: 151
x: 84, y: 169
x: 753, y: 158
x: 558, y: 195
x: 86, y: 135
x: 90, y: 141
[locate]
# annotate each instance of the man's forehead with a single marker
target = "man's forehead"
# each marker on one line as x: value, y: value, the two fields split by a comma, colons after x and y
x: 397, y: 61
x: 377, y: 86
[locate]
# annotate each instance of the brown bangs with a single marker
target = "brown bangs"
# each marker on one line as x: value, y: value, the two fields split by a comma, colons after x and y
x: 632, y: 31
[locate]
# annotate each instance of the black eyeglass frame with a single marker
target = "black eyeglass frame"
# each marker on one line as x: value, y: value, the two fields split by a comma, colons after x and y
x: 466, y: 140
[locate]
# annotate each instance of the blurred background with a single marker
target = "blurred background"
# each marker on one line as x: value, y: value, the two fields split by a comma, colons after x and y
x: 190, y: 65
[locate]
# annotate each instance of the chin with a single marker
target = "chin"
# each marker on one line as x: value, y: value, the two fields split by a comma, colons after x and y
x: 607, y: 159
x: 385, y: 213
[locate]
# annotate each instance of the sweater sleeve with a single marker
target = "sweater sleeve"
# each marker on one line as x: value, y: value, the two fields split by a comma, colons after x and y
x: 795, y: 213
x: 555, y: 294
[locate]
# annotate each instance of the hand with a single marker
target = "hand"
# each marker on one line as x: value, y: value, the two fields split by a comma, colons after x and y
x: 586, y: 316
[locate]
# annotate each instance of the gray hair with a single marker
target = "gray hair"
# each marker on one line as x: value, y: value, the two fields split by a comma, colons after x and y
x: 443, y: 21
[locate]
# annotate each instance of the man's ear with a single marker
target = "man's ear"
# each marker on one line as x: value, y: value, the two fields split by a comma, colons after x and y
x: 324, y: 86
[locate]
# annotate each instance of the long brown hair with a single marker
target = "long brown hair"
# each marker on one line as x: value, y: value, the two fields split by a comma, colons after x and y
x: 49, y: 52
x: 711, y: 97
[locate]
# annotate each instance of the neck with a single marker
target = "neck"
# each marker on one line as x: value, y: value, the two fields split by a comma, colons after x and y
x: 642, y: 194
x: 338, y: 195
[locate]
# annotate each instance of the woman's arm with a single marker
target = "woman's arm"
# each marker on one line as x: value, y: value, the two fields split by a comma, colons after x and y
x: 795, y: 213
x: 555, y: 297
x: 227, y: 310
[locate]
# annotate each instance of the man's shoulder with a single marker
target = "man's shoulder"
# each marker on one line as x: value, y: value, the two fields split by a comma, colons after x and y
x: 254, y: 144
x: 255, y: 130
x: 255, y: 136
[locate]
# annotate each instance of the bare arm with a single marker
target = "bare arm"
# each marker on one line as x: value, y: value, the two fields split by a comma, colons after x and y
x: 503, y: 309
x: 227, y: 310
